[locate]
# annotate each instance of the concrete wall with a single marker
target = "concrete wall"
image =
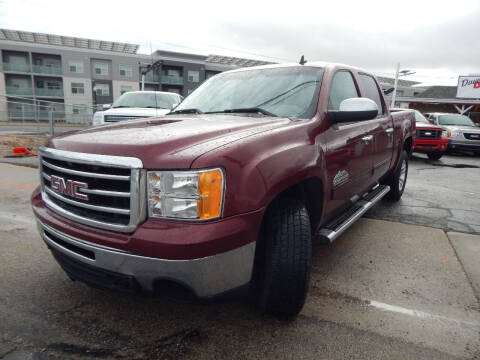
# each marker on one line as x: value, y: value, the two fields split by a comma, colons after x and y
x: 117, y: 87
x: 3, y: 100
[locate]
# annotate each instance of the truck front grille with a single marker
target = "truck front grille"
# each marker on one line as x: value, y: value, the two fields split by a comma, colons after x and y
x: 98, y: 190
x: 115, y: 118
x: 475, y: 136
x: 429, y: 134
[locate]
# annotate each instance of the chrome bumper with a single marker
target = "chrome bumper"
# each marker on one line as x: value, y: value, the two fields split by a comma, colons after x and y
x: 206, y: 277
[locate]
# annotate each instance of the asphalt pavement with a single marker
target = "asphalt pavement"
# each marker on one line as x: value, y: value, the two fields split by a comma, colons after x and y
x: 441, y: 193
x: 383, y: 290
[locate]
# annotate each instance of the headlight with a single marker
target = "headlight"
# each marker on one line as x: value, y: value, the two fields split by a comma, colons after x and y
x: 98, y: 118
x: 453, y: 133
x: 444, y: 133
x: 189, y: 195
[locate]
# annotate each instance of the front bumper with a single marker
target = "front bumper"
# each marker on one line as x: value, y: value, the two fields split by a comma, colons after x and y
x: 206, y: 258
x: 111, y: 268
x: 430, y: 145
x: 463, y: 144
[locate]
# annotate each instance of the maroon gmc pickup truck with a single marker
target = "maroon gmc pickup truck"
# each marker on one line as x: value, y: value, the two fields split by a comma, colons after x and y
x: 227, y: 191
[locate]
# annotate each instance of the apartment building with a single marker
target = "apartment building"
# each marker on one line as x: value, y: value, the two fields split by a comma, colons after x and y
x: 74, y: 75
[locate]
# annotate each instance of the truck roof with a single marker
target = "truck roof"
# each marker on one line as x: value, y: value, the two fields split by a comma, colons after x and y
x: 319, y: 64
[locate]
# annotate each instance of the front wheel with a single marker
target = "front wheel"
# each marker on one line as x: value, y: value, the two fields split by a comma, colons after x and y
x: 435, y: 155
x: 284, y: 266
x: 399, y: 178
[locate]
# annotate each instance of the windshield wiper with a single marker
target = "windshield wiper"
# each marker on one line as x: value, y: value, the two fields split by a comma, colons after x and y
x: 186, y: 111
x: 253, y: 110
x: 120, y: 106
x: 154, y: 107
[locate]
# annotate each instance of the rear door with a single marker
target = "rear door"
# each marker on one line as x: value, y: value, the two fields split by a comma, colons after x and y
x: 381, y: 127
x: 349, y: 147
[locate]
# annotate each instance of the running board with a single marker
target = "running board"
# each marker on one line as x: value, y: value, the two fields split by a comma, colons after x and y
x: 337, y: 227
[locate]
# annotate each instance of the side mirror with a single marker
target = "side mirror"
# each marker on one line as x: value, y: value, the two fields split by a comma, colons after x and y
x: 106, y: 106
x: 354, y: 109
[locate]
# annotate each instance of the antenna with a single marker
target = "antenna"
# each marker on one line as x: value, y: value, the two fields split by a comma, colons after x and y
x: 302, y: 60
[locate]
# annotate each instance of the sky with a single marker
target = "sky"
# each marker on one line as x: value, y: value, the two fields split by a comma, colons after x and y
x: 436, y: 40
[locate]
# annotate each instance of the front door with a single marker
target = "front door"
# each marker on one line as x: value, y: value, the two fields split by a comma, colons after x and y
x: 349, y: 149
x: 382, y: 127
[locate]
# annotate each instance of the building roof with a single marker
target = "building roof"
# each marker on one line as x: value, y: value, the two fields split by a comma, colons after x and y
x: 234, y: 61
x: 59, y: 40
x: 401, y: 82
x: 439, y: 92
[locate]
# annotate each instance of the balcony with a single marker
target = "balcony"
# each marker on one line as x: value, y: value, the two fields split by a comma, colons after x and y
x: 44, y: 69
x: 25, y: 68
x: 14, y: 90
x: 149, y: 77
x: 49, y: 92
x: 173, y: 80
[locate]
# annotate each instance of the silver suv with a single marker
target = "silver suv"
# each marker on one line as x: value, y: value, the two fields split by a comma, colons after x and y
x: 462, y: 132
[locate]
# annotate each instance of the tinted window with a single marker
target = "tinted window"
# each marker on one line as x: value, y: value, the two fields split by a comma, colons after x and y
x: 343, y: 87
x: 459, y: 120
x: 420, y: 118
x: 370, y: 90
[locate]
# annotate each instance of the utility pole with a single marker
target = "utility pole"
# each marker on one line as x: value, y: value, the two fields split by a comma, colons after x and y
x: 394, y: 95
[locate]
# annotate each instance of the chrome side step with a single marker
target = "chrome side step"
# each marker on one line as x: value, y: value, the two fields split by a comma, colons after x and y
x: 337, y: 227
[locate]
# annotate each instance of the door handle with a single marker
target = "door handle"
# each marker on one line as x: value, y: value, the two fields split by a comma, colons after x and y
x: 367, y: 138
x: 389, y: 130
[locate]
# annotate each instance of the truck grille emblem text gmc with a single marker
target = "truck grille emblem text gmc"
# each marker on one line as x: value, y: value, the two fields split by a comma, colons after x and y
x: 68, y: 187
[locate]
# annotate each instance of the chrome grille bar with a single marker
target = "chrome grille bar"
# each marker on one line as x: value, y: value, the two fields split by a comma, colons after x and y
x: 83, y: 173
x: 87, y: 206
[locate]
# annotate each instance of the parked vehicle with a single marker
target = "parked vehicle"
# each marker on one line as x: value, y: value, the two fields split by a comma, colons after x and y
x: 137, y: 104
x: 462, y: 133
x: 225, y: 192
x: 429, y: 139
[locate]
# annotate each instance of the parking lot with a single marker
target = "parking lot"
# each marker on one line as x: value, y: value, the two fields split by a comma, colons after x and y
x: 403, y: 282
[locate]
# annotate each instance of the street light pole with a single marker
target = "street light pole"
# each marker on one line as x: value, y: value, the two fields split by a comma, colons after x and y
x: 394, y: 95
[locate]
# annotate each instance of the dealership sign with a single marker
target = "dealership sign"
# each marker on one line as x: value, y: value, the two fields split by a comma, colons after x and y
x: 468, y: 87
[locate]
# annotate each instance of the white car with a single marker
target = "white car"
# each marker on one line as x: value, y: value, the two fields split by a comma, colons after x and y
x: 138, y: 104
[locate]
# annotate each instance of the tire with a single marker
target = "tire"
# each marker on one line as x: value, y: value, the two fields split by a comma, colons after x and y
x: 283, y: 264
x: 398, y: 180
x: 435, y: 155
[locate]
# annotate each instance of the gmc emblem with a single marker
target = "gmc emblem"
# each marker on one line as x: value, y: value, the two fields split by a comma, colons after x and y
x: 68, y: 187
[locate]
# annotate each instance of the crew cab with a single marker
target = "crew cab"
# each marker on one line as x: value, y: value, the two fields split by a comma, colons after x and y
x: 462, y: 133
x: 136, y: 105
x: 227, y: 191
x: 430, y: 139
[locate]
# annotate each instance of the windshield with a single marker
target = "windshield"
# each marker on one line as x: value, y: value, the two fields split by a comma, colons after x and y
x: 146, y: 100
x: 420, y: 118
x: 285, y: 92
x: 460, y: 120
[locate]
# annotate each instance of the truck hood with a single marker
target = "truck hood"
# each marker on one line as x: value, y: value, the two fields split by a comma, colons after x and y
x: 467, y: 129
x: 170, y: 142
x: 136, y: 111
x: 423, y: 125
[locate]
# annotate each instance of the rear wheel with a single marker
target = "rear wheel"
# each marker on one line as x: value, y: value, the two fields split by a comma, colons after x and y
x: 435, y: 155
x: 283, y: 266
x: 399, y: 178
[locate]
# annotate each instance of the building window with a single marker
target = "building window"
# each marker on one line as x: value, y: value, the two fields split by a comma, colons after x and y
x: 78, y: 88
x: 194, y: 76
x: 79, y: 109
x: 100, y: 68
x: 53, y: 85
x: 124, y: 89
x: 76, y: 66
x: 126, y: 71
x: 102, y: 89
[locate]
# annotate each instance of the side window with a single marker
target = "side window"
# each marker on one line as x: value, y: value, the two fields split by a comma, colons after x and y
x: 343, y: 87
x: 370, y: 90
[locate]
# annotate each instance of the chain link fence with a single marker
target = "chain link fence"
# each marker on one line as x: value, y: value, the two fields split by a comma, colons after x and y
x: 26, y: 115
